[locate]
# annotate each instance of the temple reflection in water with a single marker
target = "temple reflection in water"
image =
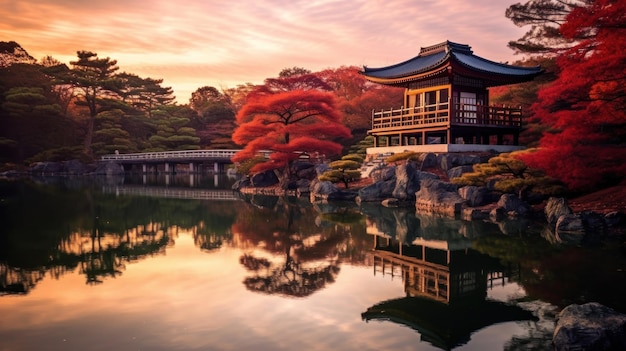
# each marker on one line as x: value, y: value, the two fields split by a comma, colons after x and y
x: 445, y: 282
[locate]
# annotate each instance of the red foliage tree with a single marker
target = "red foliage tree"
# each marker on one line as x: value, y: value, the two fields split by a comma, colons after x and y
x: 584, y: 108
x: 288, y: 122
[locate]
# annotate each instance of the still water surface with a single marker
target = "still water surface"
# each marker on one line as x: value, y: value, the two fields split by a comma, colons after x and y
x: 183, y: 264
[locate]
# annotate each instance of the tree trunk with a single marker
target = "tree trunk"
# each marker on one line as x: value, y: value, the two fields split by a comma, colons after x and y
x: 284, y: 177
x: 89, y: 136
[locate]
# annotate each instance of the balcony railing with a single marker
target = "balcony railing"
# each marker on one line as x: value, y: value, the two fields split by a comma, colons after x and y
x: 439, y: 115
x: 412, y: 117
x: 497, y: 116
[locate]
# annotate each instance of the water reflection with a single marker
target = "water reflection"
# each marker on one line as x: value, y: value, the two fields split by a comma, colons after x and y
x: 94, y: 232
x: 339, y: 262
x: 181, y: 180
x: 303, y: 258
x: 445, y: 282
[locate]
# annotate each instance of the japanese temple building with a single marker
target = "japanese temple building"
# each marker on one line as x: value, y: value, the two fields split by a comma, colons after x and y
x: 446, y: 103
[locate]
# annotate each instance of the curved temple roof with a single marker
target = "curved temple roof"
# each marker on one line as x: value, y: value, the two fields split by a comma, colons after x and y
x: 460, y: 56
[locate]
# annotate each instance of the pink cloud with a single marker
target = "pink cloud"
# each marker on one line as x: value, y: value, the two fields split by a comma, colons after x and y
x: 193, y: 43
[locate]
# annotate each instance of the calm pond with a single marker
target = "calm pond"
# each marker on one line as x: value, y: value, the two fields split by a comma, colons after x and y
x: 185, y: 264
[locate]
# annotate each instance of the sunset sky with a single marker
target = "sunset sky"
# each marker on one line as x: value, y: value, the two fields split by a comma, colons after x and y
x: 194, y: 43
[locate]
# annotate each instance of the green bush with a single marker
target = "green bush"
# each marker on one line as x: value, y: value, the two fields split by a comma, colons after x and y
x: 354, y: 157
x: 345, y: 170
x: 511, y: 175
x: 403, y: 156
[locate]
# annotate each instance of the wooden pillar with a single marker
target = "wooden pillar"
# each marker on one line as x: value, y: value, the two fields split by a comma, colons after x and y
x: 216, y: 167
x: 191, y: 167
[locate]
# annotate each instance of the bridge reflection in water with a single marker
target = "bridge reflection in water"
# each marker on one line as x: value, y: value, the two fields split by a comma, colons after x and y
x: 169, y: 192
x: 446, y: 283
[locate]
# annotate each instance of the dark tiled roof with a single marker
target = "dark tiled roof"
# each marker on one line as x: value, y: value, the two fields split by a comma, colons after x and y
x: 437, y: 55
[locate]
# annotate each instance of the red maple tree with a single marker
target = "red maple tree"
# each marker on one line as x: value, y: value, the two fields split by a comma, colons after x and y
x: 288, y: 116
x: 584, y: 108
x: 357, y: 96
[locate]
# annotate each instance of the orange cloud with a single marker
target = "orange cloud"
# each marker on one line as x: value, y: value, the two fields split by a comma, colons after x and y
x: 193, y: 43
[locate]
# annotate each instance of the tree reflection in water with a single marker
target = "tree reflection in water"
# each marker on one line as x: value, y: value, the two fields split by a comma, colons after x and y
x: 80, y: 227
x: 305, y: 258
x: 292, y: 248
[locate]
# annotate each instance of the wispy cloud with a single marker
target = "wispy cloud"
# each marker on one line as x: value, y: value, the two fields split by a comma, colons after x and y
x: 192, y: 43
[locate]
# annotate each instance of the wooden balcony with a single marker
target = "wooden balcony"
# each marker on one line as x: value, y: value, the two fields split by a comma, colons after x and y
x: 440, y: 115
x: 437, y: 115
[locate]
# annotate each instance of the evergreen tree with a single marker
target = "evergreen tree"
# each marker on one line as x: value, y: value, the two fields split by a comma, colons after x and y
x: 346, y: 170
x: 94, y: 80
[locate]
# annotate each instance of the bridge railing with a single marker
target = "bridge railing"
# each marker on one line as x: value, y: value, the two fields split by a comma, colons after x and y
x: 171, y: 155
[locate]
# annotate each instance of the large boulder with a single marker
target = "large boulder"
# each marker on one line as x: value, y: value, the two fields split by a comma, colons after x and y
x: 474, y: 195
x: 407, y: 182
x: 383, y: 174
x: 327, y: 191
x: 448, y: 160
x: 555, y: 208
x: 458, y: 171
x: 304, y: 170
x: 512, y: 205
x: 580, y: 228
x: 377, y: 191
x: 429, y: 160
x: 241, y: 183
x: 438, y: 197
x: 320, y: 191
x: 47, y: 168
x: 426, y: 175
x: 301, y: 186
x: 321, y: 168
x: 590, y: 327
x: 264, y: 179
